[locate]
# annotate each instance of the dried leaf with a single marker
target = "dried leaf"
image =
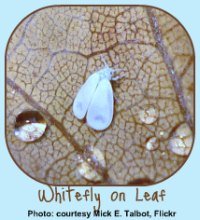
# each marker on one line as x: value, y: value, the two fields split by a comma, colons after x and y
x: 50, y: 55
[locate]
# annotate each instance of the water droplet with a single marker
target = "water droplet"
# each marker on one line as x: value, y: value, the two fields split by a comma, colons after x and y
x: 92, y: 164
x: 89, y: 160
x: 149, y: 114
x: 88, y: 172
x: 172, y: 72
x: 162, y: 133
x: 29, y: 126
x: 152, y: 143
x: 181, y: 141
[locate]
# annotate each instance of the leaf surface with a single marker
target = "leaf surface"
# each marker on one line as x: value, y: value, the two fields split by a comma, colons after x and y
x: 50, y: 55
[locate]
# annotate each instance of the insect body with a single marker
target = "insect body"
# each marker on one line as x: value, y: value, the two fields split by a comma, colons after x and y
x: 95, y: 99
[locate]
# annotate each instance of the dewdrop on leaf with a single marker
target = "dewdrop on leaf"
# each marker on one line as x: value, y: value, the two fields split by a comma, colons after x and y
x: 95, y: 99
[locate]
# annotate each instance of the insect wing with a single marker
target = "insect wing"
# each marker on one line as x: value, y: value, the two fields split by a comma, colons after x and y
x: 84, y: 96
x: 100, y: 111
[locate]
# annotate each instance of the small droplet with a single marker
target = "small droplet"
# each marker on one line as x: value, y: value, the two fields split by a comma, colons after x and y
x: 162, y: 133
x: 89, y: 160
x: 181, y: 141
x: 172, y: 72
x: 29, y: 126
x: 152, y: 144
x: 92, y: 164
x: 148, y: 115
x: 88, y: 172
x: 163, y: 153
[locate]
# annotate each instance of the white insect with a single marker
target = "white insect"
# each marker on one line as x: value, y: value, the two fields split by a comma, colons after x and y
x: 95, y: 99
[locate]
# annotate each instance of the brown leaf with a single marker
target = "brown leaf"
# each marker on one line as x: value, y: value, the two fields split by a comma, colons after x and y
x: 50, y: 55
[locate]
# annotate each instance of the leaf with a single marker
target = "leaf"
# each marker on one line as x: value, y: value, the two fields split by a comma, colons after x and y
x: 54, y: 50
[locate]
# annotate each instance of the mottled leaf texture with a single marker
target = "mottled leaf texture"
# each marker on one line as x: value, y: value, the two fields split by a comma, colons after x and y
x: 50, y: 55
